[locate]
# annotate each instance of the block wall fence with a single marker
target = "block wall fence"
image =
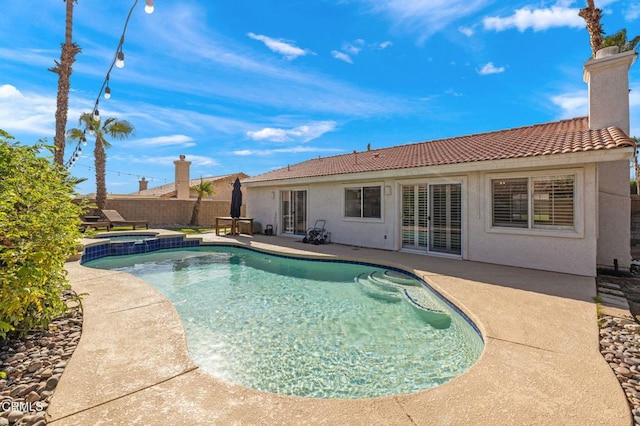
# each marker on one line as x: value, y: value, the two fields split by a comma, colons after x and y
x: 165, y: 212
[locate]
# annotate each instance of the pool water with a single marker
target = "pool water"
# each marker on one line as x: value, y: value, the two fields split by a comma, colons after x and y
x: 303, y: 328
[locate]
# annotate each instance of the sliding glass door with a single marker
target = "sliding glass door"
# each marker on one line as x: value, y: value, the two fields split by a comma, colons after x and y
x: 432, y: 218
x: 294, y: 212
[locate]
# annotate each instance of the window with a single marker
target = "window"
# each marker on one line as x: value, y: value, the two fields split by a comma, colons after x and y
x: 510, y: 203
x: 363, y: 202
x: 549, y: 198
x: 553, y: 202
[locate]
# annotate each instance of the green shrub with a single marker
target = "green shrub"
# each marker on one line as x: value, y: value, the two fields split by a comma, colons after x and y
x: 39, y: 230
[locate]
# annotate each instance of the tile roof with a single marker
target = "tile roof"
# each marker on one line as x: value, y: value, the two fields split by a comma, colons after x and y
x: 169, y: 190
x: 558, y: 137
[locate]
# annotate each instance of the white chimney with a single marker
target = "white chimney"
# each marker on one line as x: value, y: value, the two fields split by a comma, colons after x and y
x: 608, y: 79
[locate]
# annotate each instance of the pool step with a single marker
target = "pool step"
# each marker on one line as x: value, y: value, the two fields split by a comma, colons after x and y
x: 434, y: 316
x: 378, y: 279
x: 400, y: 278
x: 377, y: 292
x: 385, y: 287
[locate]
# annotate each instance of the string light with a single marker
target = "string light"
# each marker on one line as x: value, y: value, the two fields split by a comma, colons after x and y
x: 149, y: 7
x: 121, y: 173
x: 118, y: 61
x: 107, y: 90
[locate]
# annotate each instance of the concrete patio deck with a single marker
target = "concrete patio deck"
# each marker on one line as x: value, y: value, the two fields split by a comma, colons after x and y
x: 541, y: 364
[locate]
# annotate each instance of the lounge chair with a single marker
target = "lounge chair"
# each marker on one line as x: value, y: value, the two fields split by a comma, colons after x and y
x: 95, y: 224
x: 116, y: 219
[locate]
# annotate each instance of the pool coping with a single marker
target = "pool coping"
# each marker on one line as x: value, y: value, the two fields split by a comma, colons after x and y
x: 540, y: 364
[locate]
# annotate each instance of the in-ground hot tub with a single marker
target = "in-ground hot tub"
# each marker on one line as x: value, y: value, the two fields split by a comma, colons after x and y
x: 134, y: 242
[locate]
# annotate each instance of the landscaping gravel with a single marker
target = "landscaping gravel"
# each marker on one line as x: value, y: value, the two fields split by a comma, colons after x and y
x: 620, y: 347
x: 33, y: 366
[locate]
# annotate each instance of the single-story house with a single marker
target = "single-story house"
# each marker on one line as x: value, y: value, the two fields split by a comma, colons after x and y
x: 552, y: 196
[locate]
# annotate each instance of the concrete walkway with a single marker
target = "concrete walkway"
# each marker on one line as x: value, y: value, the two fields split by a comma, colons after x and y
x: 540, y: 366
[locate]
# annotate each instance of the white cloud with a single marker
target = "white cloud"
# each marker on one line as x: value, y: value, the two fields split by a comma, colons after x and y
x: 425, y: 18
x: 536, y: 19
x: 468, y: 31
x: 572, y: 104
x: 282, y: 47
x: 349, y: 50
x: 160, y: 141
x: 9, y: 91
x: 353, y: 48
x: 211, y: 57
x: 576, y: 104
x: 27, y: 113
x: 300, y: 133
x: 291, y: 150
x: 633, y: 12
x: 342, y: 56
x: 489, y: 68
x: 196, y: 160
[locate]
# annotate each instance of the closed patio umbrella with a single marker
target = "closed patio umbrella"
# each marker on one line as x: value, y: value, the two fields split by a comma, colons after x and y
x: 236, y: 199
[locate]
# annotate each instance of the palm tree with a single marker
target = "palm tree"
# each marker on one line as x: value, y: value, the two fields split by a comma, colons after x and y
x: 591, y: 14
x: 203, y: 189
x: 64, y: 69
x: 620, y: 39
x: 118, y: 129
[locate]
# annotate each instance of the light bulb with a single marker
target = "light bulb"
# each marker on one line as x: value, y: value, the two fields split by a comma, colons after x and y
x: 96, y: 115
x: 149, y: 7
x: 120, y: 60
x: 107, y: 92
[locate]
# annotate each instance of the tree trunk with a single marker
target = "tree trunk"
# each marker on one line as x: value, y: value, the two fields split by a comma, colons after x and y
x: 101, y: 164
x: 592, y: 16
x: 64, y: 70
x: 195, y: 215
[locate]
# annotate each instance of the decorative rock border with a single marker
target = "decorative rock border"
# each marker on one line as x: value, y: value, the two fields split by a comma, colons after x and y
x: 33, y: 366
x: 620, y: 347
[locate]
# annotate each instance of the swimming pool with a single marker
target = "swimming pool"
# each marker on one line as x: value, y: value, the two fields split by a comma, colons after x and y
x: 308, y: 328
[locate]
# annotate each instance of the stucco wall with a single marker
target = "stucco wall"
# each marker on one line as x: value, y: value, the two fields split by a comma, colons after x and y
x: 561, y: 251
x: 324, y: 201
x: 572, y: 252
x: 615, y: 212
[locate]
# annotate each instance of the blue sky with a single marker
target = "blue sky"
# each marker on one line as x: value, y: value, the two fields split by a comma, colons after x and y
x: 250, y: 86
